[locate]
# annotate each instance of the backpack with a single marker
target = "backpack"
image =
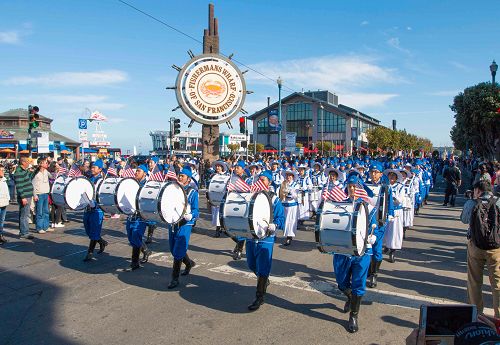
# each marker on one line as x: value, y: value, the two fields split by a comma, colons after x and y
x: 484, y: 224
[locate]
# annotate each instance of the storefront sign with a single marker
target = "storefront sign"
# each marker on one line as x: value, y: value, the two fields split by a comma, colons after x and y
x: 6, y: 134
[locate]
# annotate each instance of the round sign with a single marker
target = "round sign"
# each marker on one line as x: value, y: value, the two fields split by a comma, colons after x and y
x: 210, y: 89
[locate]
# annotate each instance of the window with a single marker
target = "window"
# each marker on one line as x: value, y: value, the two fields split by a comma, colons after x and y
x: 299, y: 120
x: 263, y: 125
x: 330, y: 122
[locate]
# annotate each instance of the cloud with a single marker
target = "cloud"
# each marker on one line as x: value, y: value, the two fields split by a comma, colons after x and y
x: 364, y: 22
x: 395, y: 43
x: 104, y: 77
x: 338, y: 74
x: 9, y: 37
x: 459, y: 66
x: 445, y: 93
x: 362, y: 100
x: 409, y: 28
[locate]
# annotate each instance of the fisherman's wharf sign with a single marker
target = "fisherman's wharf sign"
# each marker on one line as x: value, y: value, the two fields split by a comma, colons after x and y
x: 210, y: 89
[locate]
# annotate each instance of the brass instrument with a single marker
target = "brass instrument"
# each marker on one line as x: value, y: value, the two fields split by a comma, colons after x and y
x: 284, y: 190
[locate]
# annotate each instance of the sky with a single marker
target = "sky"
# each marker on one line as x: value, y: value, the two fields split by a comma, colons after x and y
x: 402, y: 60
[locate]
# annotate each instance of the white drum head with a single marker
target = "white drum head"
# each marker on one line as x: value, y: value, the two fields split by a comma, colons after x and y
x: 361, y: 230
x: 78, y: 193
x: 261, y: 215
x: 173, y: 202
x: 126, y: 195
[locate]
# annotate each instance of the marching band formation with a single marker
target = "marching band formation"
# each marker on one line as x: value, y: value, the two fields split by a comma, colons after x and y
x: 362, y: 208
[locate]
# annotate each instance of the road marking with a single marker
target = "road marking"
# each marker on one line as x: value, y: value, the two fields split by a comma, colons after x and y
x: 115, y: 292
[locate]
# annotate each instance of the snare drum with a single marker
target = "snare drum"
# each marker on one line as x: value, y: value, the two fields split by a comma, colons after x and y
x: 246, y: 214
x: 162, y: 202
x: 381, y: 194
x: 118, y: 195
x: 217, y: 189
x: 342, y: 228
x: 72, y: 192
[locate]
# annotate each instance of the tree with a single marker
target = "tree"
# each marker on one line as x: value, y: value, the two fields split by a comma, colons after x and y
x: 477, y: 121
x: 259, y: 148
x: 233, y: 147
x: 389, y: 140
x: 326, y: 148
x: 299, y: 145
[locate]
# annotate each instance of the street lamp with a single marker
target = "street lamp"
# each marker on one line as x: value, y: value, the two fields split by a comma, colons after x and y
x: 321, y: 111
x: 493, y: 69
x: 280, y: 82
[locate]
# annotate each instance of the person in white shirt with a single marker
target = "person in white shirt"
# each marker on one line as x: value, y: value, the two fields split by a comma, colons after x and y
x: 4, y: 202
x: 41, y: 189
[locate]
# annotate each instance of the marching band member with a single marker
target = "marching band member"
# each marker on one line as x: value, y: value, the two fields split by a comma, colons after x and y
x: 152, y: 163
x: 136, y: 226
x: 93, y: 216
x: 220, y: 169
x: 394, y: 231
x: 239, y: 170
x: 318, y: 180
x: 376, y: 175
x: 179, y: 234
x: 305, y: 187
x: 260, y: 252
x: 277, y: 177
x: 288, y: 194
x: 195, y: 180
x: 333, y: 178
x: 254, y: 169
x: 408, y: 200
x: 351, y: 271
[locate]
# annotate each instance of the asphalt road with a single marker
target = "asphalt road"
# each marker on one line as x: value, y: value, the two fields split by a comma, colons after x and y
x: 48, y: 295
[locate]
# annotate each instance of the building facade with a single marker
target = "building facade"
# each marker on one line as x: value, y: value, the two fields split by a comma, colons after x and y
x: 312, y: 117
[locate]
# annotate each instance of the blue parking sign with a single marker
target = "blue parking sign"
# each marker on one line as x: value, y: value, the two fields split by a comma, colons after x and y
x: 82, y: 124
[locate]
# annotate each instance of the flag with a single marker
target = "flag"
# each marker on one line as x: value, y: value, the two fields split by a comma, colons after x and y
x: 257, y: 186
x: 236, y: 184
x: 74, y: 171
x: 63, y: 169
x: 361, y: 193
x: 335, y: 194
x: 112, y: 169
x: 171, y: 173
x: 156, y: 174
x: 128, y: 171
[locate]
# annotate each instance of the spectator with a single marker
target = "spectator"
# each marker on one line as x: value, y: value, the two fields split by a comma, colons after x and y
x: 55, y: 210
x: 482, y: 174
x: 9, y: 174
x: 453, y: 178
x: 496, y: 179
x: 41, y: 189
x: 4, y: 201
x: 477, y: 258
x: 22, y: 178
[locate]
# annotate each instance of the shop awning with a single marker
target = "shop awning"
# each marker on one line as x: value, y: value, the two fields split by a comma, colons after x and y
x: 7, y: 146
x: 88, y: 150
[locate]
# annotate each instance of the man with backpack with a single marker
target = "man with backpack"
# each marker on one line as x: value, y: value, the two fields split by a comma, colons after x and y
x: 453, y: 178
x: 484, y: 244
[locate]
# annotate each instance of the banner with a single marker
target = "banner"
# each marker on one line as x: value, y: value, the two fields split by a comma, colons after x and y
x: 274, y: 123
x: 291, y: 140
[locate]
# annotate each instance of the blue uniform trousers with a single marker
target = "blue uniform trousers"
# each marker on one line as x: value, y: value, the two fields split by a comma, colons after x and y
x: 260, y: 256
x: 135, y: 231
x: 178, y: 240
x: 92, y: 222
x: 351, y: 272
x: 377, y: 247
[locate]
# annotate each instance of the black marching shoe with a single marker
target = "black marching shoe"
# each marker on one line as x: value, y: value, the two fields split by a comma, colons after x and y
x: 353, y: 326
x: 90, y: 251
x: 189, y: 264
x: 3, y: 240
x: 347, y: 305
x: 136, y: 251
x: 288, y: 241
x: 149, y: 237
x: 146, y: 252
x: 404, y: 232
x: 102, y: 245
x: 237, y: 251
x: 176, y: 269
x: 392, y: 256
x: 217, y: 232
x: 371, y: 281
x: 259, y: 294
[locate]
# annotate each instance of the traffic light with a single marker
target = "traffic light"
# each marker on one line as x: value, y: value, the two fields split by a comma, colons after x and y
x: 242, y: 125
x: 177, y: 126
x: 33, y: 117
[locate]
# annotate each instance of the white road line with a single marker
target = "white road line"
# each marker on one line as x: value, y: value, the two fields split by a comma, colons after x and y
x: 115, y: 292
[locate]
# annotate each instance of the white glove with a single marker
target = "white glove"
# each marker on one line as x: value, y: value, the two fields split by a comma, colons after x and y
x: 188, y: 217
x: 372, y: 239
x: 271, y: 228
x: 92, y: 203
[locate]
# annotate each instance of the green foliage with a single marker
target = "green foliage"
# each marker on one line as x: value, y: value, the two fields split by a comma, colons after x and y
x: 327, y: 146
x: 389, y: 140
x: 259, y: 147
x: 233, y: 147
x: 477, y: 122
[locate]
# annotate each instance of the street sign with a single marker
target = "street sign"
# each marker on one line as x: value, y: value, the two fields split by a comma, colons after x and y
x: 43, y: 142
x: 82, y: 124
x: 82, y: 134
x: 85, y: 144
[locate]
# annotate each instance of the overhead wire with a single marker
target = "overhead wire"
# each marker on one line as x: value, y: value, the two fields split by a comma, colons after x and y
x: 198, y: 41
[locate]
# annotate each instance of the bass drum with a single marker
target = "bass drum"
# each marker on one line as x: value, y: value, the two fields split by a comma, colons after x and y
x: 381, y: 195
x: 162, y: 202
x: 118, y: 195
x: 246, y: 214
x: 342, y: 228
x: 74, y: 193
x: 217, y: 189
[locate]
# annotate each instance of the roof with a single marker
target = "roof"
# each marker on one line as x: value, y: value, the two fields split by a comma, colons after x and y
x: 20, y: 112
x: 348, y: 111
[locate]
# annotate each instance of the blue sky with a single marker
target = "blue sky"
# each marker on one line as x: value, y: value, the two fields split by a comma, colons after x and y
x: 402, y: 60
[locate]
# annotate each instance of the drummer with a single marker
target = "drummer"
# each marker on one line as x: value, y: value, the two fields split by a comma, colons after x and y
x: 288, y: 195
x: 152, y: 163
x: 220, y: 170
x: 351, y: 271
x: 260, y: 252
x: 239, y: 170
x: 394, y: 233
x: 376, y: 178
x: 179, y: 234
x: 136, y: 226
x: 318, y: 180
x: 305, y: 187
x: 93, y: 216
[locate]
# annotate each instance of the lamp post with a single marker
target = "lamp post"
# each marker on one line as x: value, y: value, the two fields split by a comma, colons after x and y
x: 280, y: 82
x: 493, y: 70
x: 321, y: 110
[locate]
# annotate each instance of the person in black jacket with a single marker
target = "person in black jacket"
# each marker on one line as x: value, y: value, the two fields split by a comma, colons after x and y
x: 453, y: 178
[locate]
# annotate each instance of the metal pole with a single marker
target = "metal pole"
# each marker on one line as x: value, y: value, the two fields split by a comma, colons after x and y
x: 279, y: 116
x: 321, y: 110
